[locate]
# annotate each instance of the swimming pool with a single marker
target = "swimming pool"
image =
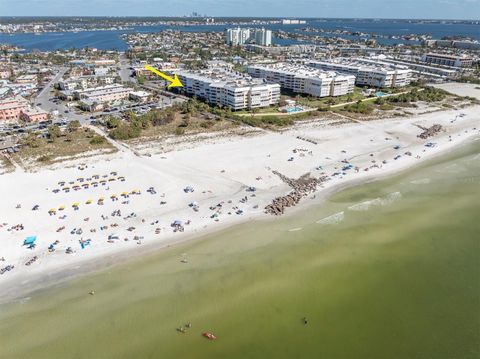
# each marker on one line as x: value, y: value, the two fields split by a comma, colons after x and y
x: 294, y: 109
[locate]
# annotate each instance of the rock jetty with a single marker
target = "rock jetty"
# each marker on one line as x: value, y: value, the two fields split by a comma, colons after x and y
x: 301, y: 188
x: 429, y: 131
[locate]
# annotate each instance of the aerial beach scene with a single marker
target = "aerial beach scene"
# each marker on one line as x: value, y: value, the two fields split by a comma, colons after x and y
x: 265, y: 186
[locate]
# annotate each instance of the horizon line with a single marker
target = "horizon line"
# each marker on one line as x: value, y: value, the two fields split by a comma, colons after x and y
x: 235, y: 17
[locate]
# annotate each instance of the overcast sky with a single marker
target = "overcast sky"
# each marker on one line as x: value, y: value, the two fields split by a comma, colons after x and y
x: 426, y: 9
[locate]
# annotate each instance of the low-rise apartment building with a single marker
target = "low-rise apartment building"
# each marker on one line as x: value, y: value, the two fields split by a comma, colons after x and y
x: 304, y: 79
x: 424, y: 70
x: 229, y: 89
x: 84, y: 82
x: 11, y: 108
x: 367, y: 72
x: 140, y: 96
x: 34, y: 114
x: 448, y: 60
x: 94, y: 99
x: 26, y: 79
x: 107, y: 93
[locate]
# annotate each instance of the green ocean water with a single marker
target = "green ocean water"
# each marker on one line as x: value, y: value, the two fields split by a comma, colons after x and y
x: 389, y: 269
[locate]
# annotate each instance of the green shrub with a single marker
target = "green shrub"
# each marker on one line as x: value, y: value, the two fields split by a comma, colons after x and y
x: 98, y: 140
x: 265, y: 121
x: 386, y: 107
x: 112, y: 122
x: 125, y: 132
x: 206, y: 124
x: 184, y: 123
x: 359, y: 107
x: 44, y: 158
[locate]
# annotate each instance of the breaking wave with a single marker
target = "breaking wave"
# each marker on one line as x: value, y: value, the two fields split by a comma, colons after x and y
x: 381, y: 201
x: 421, y: 181
x: 333, y: 219
x: 364, y: 206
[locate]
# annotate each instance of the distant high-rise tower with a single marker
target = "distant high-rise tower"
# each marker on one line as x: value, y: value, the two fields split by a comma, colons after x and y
x: 263, y: 37
x: 238, y: 36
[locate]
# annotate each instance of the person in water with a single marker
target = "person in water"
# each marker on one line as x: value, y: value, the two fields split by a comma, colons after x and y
x: 305, y: 320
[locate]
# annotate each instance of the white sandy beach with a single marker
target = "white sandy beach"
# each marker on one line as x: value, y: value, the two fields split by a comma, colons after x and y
x: 219, y: 172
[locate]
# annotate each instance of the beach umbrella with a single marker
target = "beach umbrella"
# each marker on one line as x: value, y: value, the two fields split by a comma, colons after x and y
x: 53, y: 210
x: 29, y: 240
x: 101, y: 199
x: 113, y: 196
x: 89, y: 201
x: 76, y: 204
x: 61, y: 208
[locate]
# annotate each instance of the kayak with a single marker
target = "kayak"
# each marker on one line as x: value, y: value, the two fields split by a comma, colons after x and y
x: 209, y: 336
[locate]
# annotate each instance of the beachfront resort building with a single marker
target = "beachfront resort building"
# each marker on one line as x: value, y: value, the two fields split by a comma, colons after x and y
x: 421, y: 70
x: 367, y: 72
x: 448, y: 60
x: 229, y: 89
x: 304, y: 79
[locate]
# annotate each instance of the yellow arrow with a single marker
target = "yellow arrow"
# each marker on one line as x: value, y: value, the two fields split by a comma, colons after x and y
x: 175, y: 82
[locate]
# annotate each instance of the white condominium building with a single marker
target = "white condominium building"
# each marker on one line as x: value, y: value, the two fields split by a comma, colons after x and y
x: 229, y: 89
x: 242, y: 36
x: 293, y: 22
x: 263, y: 37
x: 238, y: 36
x: 304, y: 79
x: 448, y: 60
x: 367, y: 72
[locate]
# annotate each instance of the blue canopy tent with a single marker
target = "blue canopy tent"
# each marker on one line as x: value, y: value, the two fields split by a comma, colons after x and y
x: 83, y: 244
x: 29, y: 240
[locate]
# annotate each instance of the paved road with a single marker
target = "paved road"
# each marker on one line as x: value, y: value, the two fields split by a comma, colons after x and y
x: 49, y: 86
x: 43, y: 100
x: 125, y: 71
